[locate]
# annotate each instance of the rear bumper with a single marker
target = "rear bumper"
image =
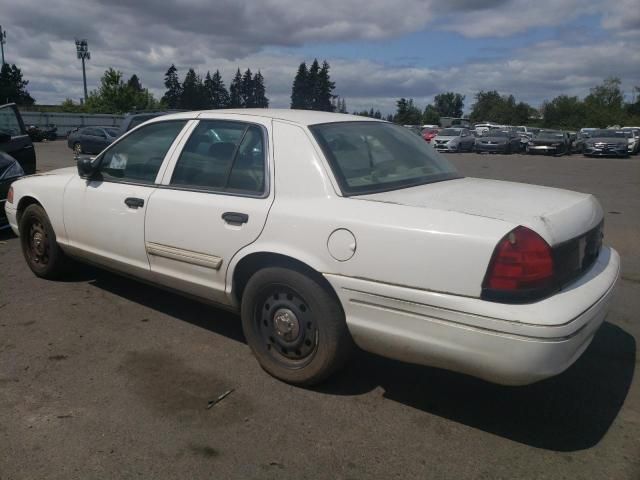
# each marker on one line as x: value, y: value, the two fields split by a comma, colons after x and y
x: 505, y: 344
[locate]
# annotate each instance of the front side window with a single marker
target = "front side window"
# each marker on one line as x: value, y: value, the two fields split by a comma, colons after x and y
x: 223, y: 156
x: 369, y: 157
x: 138, y: 157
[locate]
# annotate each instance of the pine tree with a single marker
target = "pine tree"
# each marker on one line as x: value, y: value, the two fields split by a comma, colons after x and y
x: 247, y: 91
x: 193, y: 93
x: 235, y: 100
x: 324, y: 90
x: 259, y: 91
x: 343, y: 106
x: 13, y: 88
x: 312, y: 89
x: 134, y: 84
x: 172, y: 96
x: 216, y: 92
x: 299, y: 97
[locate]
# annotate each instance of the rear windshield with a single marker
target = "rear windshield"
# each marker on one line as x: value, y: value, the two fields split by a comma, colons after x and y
x: 370, y: 157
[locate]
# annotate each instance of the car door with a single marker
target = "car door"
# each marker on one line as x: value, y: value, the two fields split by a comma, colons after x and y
x: 214, y: 201
x: 14, y: 139
x: 104, y: 215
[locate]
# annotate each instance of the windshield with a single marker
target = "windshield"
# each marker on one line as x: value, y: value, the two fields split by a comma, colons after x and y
x: 370, y: 157
x: 449, y: 132
x: 606, y: 133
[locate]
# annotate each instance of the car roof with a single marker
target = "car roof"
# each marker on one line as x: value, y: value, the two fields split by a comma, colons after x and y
x: 301, y: 117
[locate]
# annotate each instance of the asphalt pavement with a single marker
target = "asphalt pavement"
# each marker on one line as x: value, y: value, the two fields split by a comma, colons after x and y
x: 104, y: 377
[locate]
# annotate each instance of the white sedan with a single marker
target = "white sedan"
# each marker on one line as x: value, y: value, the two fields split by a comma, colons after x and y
x: 327, y: 230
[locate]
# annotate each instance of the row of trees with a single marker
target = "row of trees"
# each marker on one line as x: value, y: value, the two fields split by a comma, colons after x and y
x: 245, y: 91
x: 604, y: 106
x: 312, y: 89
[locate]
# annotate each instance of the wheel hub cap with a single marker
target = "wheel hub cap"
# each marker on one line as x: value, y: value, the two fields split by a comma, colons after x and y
x: 38, y: 243
x: 286, y: 324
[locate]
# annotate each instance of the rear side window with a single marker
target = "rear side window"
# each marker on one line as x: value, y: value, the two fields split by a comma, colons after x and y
x: 138, y: 157
x: 223, y: 156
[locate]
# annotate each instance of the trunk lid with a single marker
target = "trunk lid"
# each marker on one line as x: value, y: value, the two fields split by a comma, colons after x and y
x: 555, y: 214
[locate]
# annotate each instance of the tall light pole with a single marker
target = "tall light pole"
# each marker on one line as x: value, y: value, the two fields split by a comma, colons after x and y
x: 83, y: 54
x: 3, y: 40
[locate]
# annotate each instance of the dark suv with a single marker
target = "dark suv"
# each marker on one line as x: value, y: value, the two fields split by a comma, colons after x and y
x: 14, y: 138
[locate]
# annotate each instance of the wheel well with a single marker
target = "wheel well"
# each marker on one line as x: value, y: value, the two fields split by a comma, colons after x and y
x: 23, y: 204
x: 250, y: 264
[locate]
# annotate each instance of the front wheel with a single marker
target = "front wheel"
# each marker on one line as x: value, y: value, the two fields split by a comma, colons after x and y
x: 294, y: 325
x: 44, y: 256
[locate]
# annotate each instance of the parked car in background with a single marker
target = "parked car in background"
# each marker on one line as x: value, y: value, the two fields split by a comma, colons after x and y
x: 607, y: 143
x: 50, y: 132
x: 550, y: 142
x: 429, y: 134
x: 633, y: 137
x: 14, y: 138
x: 498, y: 141
x: 578, y: 145
x: 454, y: 140
x: 393, y: 250
x: 481, y: 128
x: 10, y: 170
x: 35, y: 133
x: 132, y: 120
x: 92, y: 139
x: 530, y: 131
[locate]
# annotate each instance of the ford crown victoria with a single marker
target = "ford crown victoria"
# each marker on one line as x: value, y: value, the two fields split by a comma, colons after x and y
x: 326, y: 231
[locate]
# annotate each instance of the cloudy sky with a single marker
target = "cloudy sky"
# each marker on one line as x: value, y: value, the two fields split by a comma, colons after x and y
x: 379, y: 50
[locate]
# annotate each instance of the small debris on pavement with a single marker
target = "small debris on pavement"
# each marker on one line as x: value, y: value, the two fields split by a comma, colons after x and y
x: 221, y: 397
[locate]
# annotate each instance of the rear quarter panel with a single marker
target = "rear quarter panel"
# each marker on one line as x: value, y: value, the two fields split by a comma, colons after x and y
x: 423, y: 248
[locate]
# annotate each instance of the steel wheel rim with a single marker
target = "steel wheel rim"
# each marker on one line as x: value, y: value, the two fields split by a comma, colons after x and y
x: 77, y: 148
x: 286, y: 326
x: 38, y: 244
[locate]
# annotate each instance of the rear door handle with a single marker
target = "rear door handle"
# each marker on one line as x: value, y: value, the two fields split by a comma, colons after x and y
x: 133, y: 202
x: 235, y: 217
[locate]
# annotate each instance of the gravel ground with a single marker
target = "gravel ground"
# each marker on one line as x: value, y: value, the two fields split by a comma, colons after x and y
x: 103, y: 377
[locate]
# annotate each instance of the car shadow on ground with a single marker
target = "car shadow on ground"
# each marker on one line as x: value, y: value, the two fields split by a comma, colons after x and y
x: 570, y: 412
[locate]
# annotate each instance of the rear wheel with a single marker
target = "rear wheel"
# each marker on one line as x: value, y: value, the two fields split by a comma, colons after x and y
x: 44, y: 256
x: 294, y: 325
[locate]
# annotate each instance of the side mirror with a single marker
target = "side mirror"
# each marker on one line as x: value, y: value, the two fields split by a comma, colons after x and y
x: 85, y: 165
x: 5, y: 137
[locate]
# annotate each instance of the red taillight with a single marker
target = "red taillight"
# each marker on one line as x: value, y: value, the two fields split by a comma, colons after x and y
x: 522, y: 262
x: 10, y: 195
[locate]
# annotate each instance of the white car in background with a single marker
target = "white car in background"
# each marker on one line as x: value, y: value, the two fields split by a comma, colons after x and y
x: 324, y: 230
x: 454, y: 140
x: 633, y: 139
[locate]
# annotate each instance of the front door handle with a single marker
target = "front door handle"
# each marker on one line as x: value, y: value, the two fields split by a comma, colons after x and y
x: 133, y: 202
x: 235, y: 217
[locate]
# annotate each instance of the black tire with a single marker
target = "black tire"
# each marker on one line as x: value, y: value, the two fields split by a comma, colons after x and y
x: 311, y: 340
x: 44, y: 256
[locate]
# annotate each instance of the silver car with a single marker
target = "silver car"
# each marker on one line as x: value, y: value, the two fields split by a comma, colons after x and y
x: 454, y: 140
